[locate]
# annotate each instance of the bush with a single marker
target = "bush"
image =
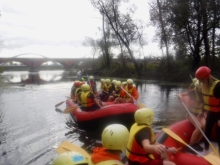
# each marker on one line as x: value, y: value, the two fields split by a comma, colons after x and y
x: 1, y: 69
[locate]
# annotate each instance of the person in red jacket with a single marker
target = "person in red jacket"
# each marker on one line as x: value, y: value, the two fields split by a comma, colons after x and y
x: 114, y: 141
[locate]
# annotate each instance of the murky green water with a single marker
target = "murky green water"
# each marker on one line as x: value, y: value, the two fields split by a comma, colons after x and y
x: 31, y: 129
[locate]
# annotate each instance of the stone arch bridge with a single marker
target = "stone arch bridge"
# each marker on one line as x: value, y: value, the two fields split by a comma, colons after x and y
x: 35, y: 63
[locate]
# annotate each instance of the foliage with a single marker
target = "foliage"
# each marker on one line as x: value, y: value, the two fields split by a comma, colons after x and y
x: 191, y: 27
x: 1, y: 69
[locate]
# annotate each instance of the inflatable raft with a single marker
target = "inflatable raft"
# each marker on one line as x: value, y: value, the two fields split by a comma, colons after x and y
x: 97, y: 120
x: 184, y: 130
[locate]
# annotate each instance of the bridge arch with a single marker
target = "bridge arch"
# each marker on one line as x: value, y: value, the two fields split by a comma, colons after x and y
x: 29, y: 54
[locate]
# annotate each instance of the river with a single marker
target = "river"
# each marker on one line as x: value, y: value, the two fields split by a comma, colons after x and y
x: 31, y: 128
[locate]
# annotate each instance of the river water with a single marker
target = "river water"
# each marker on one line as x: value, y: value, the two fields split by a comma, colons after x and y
x: 31, y: 128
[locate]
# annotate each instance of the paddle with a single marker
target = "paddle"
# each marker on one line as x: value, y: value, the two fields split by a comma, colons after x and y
x: 67, y: 146
x: 213, y: 148
x: 214, y: 160
x: 57, y: 105
x: 139, y: 104
x: 70, y: 109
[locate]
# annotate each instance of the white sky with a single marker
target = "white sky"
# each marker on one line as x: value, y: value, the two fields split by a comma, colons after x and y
x: 56, y: 28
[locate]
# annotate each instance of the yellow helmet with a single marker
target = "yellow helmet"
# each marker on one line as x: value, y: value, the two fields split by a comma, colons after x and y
x: 130, y: 81
x: 102, y: 80
x: 114, y: 81
x: 108, y: 81
x: 91, y: 77
x: 118, y: 83
x: 144, y: 116
x: 124, y: 83
x: 70, y: 158
x: 85, y: 87
x: 115, y: 137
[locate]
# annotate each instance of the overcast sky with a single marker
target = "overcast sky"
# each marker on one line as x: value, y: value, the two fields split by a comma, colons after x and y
x: 56, y: 28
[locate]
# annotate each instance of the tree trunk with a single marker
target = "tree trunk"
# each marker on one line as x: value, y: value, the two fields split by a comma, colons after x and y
x: 205, y: 33
x: 164, y: 35
x: 107, y: 59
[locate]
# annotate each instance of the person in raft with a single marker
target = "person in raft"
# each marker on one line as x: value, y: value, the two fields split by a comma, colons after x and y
x: 114, y: 140
x: 92, y: 84
x: 70, y: 158
x: 127, y: 94
x: 195, y: 105
x: 75, y: 90
x: 211, y: 98
x: 87, y: 99
x: 141, y: 148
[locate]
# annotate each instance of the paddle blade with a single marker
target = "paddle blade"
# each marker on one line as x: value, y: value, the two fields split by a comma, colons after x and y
x: 213, y: 159
x: 67, y: 146
x: 173, y: 135
x: 70, y: 109
x: 141, y: 105
x: 59, y: 103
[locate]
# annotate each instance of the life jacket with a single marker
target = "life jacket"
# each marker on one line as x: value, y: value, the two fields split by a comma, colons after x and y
x: 132, y: 92
x: 196, y: 103
x: 107, y: 87
x: 77, y: 91
x: 85, y: 100
x: 134, y: 151
x: 210, y: 102
x: 102, y: 85
x: 100, y: 156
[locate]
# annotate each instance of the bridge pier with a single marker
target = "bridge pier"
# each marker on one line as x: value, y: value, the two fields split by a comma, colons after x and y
x: 34, y: 69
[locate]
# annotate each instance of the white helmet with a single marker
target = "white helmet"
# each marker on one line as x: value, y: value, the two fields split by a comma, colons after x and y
x: 91, y: 77
x: 70, y: 158
x: 115, y: 137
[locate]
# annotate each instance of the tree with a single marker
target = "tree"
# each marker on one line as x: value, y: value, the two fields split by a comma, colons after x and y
x: 192, y: 24
x: 93, y: 43
x: 158, y: 12
x: 127, y: 31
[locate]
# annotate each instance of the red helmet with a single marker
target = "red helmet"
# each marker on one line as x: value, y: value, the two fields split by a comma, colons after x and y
x: 203, y: 72
x: 77, y: 83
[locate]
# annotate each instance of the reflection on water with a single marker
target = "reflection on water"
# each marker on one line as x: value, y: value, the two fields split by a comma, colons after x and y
x: 32, y: 77
x: 31, y: 129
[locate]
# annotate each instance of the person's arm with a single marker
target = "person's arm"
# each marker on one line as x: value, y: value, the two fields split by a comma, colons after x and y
x: 92, y: 96
x: 142, y: 138
x: 97, y: 102
x: 181, y: 95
